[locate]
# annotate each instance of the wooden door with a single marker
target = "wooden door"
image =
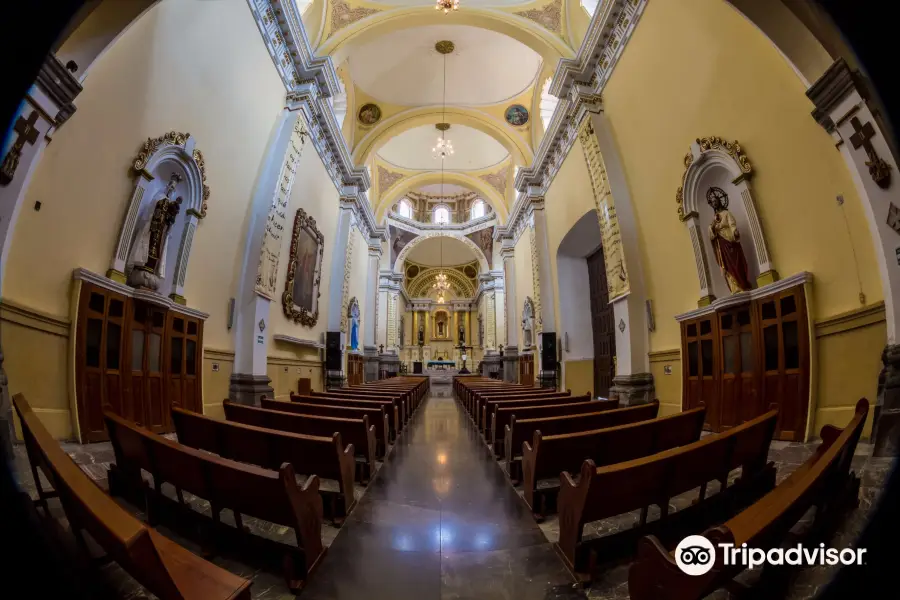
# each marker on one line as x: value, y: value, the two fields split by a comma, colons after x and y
x: 784, y: 354
x: 738, y: 375
x: 699, y: 339
x: 99, y: 358
x: 602, y: 325
x: 526, y: 369
x: 145, y: 385
x: 183, y: 362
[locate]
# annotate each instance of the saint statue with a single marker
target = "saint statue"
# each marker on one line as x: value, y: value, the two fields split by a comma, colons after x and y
x: 726, y: 242
x: 354, y: 326
x: 527, y: 324
x: 148, y: 254
x: 462, y: 334
x: 421, y: 335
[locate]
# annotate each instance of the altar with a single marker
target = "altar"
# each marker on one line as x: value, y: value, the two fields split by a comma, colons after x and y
x: 441, y: 364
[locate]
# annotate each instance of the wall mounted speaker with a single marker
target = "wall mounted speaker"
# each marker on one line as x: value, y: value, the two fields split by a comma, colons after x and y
x: 333, y: 351
x: 548, y: 351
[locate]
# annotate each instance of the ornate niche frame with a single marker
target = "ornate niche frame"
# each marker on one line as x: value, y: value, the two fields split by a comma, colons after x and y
x: 707, y: 154
x: 171, y: 151
x: 301, y: 314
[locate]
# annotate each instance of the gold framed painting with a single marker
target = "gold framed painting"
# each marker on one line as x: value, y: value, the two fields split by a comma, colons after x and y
x: 300, y: 300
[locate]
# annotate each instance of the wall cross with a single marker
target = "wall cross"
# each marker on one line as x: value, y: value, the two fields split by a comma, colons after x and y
x: 878, y: 168
x: 28, y: 134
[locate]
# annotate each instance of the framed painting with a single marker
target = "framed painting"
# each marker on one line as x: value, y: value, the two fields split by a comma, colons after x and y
x: 516, y: 115
x: 301, y: 287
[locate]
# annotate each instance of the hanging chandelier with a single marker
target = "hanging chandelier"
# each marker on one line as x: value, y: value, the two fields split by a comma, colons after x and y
x: 440, y: 280
x: 446, y: 5
x: 444, y: 147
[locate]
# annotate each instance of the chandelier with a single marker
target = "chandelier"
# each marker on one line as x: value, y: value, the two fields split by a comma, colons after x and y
x: 440, y: 281
x: 444, y: 147
x: 446, y: 5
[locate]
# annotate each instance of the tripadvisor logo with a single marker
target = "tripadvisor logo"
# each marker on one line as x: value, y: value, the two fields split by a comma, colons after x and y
x: 695, y: 555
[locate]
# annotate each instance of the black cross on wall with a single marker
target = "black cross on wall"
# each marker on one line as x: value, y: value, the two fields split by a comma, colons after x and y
x: 861, y: 138
x: 28, y: 134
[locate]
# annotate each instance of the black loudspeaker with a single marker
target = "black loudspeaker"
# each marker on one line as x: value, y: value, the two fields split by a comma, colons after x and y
x: 333, y: 351
x: 548, y: 351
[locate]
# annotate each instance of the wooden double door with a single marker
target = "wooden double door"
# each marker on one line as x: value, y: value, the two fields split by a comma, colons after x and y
x: 526, y: 369
x: 135, y: 359
x: 355, y: 370
x: 748, y: 359
x: 602, y: 325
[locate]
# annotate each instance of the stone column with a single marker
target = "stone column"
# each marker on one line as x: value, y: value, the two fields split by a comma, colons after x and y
x: 249, y: 381
x: 843, y: 111
x: 511, y: 351
x: 633, y: 383
x: 543, y: 285
x: 370, y: 350
x: 335, y: 309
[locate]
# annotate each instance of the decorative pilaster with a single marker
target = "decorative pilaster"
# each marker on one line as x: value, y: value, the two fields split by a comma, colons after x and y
x: 249, y: 381
x: 371, y: 311
x: 843, y: 111
x: 543, y: 282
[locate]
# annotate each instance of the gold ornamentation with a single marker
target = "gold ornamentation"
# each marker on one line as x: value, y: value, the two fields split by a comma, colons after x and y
x: 342, y: 15
x: 536, y: 281
x: 387, y: 179
x: 498, y: 180
x: 300, y: 314
x: 417, y: 196
x: 733, y: 149
x: 345, y: 287
x: 421, y: 284
x: 173, y: 138
x: 548, y: 16
x: 444, y: 47
x: 442, y: 126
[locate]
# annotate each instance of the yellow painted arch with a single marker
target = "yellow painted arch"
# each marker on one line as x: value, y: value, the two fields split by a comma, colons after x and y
x: 516, y: 145
x: 550, y: 46
x: 475, y: 183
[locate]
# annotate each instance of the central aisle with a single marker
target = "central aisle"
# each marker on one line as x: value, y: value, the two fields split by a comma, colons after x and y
x: 441, y: 521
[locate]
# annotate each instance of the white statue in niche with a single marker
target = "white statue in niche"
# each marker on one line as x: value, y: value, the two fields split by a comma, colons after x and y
x: 528, y: 323
x: 148, y: 252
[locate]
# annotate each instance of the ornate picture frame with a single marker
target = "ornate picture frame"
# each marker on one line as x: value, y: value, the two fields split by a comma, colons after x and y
x: 300, y: 310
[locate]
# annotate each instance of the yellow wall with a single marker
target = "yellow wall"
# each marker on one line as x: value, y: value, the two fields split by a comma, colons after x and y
x: 216, y: 383
x: 579, y: 376
x: 165, y: 73
x: 524, y: 284
x: 722, y: 77
x: 284, y: 373
x: 358, y: 267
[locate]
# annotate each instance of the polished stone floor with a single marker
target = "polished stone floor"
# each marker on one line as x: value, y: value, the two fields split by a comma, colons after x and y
x: 441, y: 522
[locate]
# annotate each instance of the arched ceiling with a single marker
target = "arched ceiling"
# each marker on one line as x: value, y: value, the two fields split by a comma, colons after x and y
x: 473, y: 149
x: 428, y: 252
x: 469, y: 3
x: 486, y: 67
x: 450, y: 189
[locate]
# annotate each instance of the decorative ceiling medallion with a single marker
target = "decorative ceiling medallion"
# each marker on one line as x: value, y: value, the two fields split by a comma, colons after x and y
x: 549, y: 16
x: 387, y: 179
x: 445, y: 47
x: 342, y: 15
x: 446, y: 6
x: 516, y: 115
x: 442, y: 126
x: 369, y: 114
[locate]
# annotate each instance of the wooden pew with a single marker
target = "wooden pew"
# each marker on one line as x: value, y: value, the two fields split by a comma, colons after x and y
x: 603, y: 492
x: 547, y: 456
x: 489, y: 403
x: 520, y: 431
x: 824, y: 481
x: 502, y: 413
x: 465, y: 388
x: 326, y: 457
x: 159, y: 564
x: 400, y: 399
x: 474, y: 394
x: 376, y: 414
x: 353, y: 431
x: 273, y: 496
x: 388, y: 407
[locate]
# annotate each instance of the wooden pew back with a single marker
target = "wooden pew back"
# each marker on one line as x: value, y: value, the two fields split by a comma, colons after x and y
x: 246, y: 489
x: 388, y: 407
x: 504, y: 414
x: 490, y: 403
x: 824, y: 480
x: 653, y: 479
x: 268, y: 448
x: 143, y: 553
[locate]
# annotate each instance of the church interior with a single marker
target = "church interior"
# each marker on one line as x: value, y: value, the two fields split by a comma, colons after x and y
x: 469, y: 299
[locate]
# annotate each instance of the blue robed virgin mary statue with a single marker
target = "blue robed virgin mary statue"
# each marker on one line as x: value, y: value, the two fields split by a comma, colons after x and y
x: 353, y: 315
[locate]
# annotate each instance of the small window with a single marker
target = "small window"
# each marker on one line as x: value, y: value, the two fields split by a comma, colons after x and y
x: 478, y: 209
x: 441, y: 215
x: 788, y: 306
x: 113, y: 345
x: 768, y: 311
x: 705, y: 327
x: 770, y: 347
x: 404, y: 209
x: 97, y: 302
x: 116, y: 308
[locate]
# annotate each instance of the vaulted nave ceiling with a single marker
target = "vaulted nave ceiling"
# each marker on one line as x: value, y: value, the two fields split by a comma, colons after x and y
x: 504, y: 51
x: 404, y: 68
